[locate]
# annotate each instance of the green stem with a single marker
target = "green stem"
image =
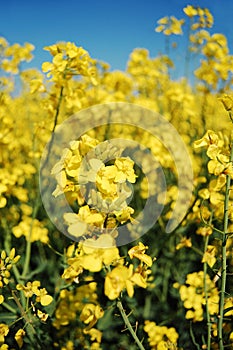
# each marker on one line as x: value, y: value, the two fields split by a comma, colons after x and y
x: 54, y: 127
x: 31, y: 332
x: 224, y: 258
x: 128, y: 324
x: 188, y: 52
x: 29, y: 243
x: 206, y: 297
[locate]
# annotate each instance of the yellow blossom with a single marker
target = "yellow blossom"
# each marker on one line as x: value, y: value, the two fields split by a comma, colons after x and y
x: 19, y: 335
x: 42, y: 316
x: 139, y: 253
x: 115, y: 282
x: 209, y: 138
x: 170, y: 25
x: 4, y: 330
x: 227, y: 102
x: 161, y: 337
x: 209, y: 256
x: 91, y: 314
x: 43, y: 297
x: 185, y: 242
x: 190, y: 11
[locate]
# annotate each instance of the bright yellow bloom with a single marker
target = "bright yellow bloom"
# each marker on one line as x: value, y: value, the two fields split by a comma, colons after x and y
x: 193, y: 295
x: 185, y: 242
x: 190, y: 11
x: 90, y: 314
x: 43, y: 297
x: 209, y: 138
x: 204, y: 231
x: 32, y: 288
x: 122, y: 277
x: 92, y: 255
x: 19, y: 335
x: 139, y: 253
x: 209, y: 256
x: 42, y: 316
x: 4, y: 347
x: 4, y: 330
x: 117, y: 280
x: 161, y: 337
x: 125, y: 170
x: 32, y: 229
x: 227, y: 102
x: 79, y: 223
x: 170, y: 25
x: 124, y: 214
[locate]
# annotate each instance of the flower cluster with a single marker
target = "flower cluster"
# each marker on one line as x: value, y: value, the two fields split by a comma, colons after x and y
x: 68, y: 60
x: 80, y: 304
x: 32, y: 289
x: 14, y: 55
x: 193, y: 295
x: 170, y: 25
x: 6, y: 264
x: 84, y: 177
x: 95, y: 255
x: 161, y: 337
x: 218, y: 165
x: 204, y: 18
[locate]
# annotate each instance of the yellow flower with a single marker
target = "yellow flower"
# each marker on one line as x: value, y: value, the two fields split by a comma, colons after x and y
x: 19, y: 335
x: 116, y: 281
x: 4, y: 330
x: 193, y: 296
x: 209, y: 138
x: 215, y: 167
x: 161, y: 337
x: 124, y: 214
x: 185, y: 242
x: 42, y: 316
x: 78, y: 224
x: 139, y: 253
x: 94, y: 334
x: 30, y: 288
x: 125, y: 170
x: 227, y: 102
x: 170, y: 25
x: 32, y: 229
x: 4, y: 347
x: 190, y: 11
x: 105, y: 181
x: 209, y: 256
x: 90, y: 314
x: 76, y: 227
x: 43, y: 297
x: 204, y: 231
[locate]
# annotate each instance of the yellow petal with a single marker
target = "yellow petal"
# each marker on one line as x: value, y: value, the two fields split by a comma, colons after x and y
x: 46, y: 300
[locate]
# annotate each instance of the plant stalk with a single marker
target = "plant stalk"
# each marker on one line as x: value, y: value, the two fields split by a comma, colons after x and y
x: 224, y: 258
x: 129, y: 326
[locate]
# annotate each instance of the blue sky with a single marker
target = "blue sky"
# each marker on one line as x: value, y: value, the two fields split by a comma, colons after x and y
x: 109, y: 30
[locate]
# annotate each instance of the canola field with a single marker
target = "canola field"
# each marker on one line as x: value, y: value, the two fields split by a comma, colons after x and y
x: 116, y: 202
